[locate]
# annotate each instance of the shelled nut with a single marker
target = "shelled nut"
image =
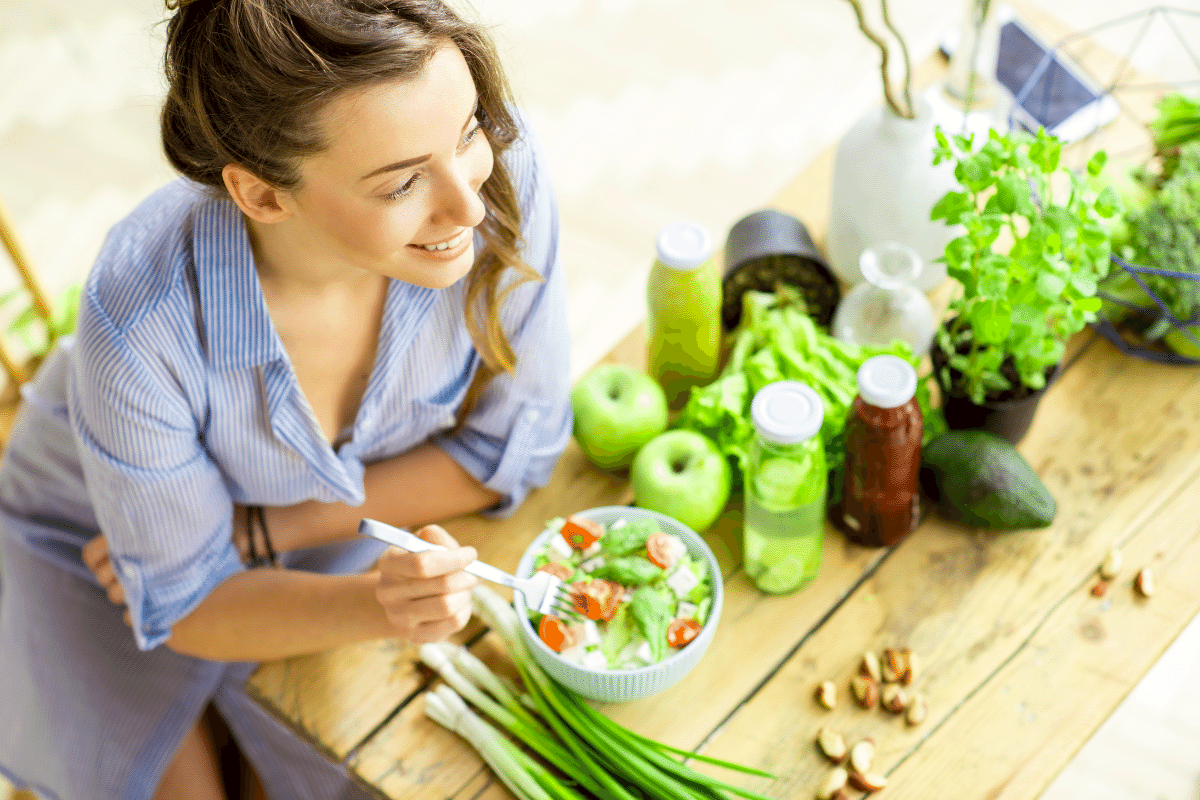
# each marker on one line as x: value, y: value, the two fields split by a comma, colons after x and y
x: 913, y: 662
x: 867, y: 782
x: 1144, y: 582
x: 871, y: 666
x: 894, y: 698
x: 865, y: 690
x: 895, y: 666
x: 1100, y: 589
x: 1110, y: 567
x: 834, y: 783
x: 827, y: 694
x: 861, y: 755
x: 832, y: 745
x: 918, y: 709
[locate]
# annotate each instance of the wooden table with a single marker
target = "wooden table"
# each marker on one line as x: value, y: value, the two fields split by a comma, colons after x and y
x: 1021, y: 663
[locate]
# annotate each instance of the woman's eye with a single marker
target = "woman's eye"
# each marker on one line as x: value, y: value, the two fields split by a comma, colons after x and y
x: 405, y: 189
x: 471, y: 134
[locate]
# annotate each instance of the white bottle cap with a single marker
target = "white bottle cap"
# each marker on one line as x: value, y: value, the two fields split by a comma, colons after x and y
x: 684, y: 245
x: 886, y: 381
x: 787, y: 412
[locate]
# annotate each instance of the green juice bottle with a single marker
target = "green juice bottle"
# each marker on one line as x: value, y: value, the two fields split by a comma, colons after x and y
x: 783, y: 530
x: 684, y: 324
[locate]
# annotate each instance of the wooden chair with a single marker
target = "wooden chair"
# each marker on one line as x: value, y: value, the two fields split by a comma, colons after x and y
x: 18, y: 372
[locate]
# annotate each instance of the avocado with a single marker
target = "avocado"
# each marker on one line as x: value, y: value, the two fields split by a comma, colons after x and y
x: 979, y: 479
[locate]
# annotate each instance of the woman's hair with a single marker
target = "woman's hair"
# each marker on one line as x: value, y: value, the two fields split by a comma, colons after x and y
x: 248, y: 78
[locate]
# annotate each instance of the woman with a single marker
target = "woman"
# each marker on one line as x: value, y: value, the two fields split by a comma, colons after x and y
x: 350, y: 305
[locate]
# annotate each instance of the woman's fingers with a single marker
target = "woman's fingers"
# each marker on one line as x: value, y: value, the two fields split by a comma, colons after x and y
x: 437, y: 535
x: 95, y: 551
x: 427, y: 596
x: 416, y: 588
x: 95, y: 556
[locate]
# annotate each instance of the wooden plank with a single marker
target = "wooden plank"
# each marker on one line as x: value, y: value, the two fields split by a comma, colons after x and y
x: 414, y: 758
x: 1029, y: 719
x: 968, y: 602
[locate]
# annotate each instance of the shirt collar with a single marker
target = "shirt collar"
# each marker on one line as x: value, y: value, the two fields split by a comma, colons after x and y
x: 232, y: 306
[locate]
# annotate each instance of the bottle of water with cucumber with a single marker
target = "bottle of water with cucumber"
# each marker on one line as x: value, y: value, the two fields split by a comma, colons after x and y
x: 784, y: 524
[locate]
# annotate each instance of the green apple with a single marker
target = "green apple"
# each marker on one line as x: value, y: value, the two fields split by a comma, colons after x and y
x: 617, y: 410
x: 682, y: 474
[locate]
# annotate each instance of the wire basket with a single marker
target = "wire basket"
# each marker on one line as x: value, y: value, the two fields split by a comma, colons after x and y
x: 1135, y: 95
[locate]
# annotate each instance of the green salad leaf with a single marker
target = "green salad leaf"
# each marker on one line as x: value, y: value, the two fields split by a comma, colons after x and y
x: 653, y: 611
x: 628, y: 538
x: 629, y: 571
x: 776, y: 340
x: 620, y: 632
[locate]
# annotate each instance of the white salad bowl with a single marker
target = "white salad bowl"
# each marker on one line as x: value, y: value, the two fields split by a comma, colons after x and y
x: 619, y: 685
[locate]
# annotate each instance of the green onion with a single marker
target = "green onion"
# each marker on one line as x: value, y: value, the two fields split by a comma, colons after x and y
x: 608, y: 760
x: 447, y: 709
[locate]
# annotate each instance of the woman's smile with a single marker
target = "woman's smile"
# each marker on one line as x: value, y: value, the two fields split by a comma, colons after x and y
x: 447, y: 249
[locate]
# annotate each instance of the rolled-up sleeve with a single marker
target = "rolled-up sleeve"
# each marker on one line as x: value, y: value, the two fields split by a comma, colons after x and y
x: 513, y: 438
x: 159, y: 498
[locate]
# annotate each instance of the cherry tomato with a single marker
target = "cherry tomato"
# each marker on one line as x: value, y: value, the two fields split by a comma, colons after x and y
x: 560, y: 571
x: 614, y: 601
x: 682, y: 631
x: 581, y: 532
x: 658, y: 549
x: 592, y: 598
x: 553, y: 632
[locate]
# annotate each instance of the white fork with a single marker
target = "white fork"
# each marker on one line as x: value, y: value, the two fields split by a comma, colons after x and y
x: 543, y: 592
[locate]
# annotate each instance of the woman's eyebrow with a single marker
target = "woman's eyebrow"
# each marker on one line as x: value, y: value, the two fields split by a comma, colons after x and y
x: 412, y: 162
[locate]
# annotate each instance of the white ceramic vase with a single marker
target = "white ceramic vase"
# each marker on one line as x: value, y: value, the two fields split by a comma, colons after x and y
x: 884, y: 186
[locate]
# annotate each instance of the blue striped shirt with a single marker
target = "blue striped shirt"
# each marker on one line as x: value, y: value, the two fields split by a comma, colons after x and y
x: 175, y: 400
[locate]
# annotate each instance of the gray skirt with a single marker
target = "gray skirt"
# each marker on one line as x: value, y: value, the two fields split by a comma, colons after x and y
x: 86, y: 715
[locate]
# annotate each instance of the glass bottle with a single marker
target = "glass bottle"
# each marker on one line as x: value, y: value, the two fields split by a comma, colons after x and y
x: 889, y: 305
x: 683, y: 328
x: 880, y: 504
x: 784, y: 526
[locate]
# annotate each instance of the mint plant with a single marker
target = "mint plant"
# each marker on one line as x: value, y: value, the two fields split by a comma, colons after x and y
x: 1033, y: 250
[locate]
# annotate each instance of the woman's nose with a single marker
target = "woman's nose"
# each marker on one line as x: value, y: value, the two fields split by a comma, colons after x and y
x: 458, y: 203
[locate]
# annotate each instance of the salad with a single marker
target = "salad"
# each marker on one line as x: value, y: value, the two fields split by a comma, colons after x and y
x: 638, y: 594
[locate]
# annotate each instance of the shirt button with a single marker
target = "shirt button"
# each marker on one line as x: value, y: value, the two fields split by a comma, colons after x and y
x: 128, y: 571
x: 532, y: 415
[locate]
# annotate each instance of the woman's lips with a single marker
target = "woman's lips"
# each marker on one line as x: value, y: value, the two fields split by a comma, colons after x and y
x: 455, y: 246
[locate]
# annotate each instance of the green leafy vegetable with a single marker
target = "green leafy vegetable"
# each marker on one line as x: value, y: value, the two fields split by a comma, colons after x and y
x: 629, y: 538
x: 1029, y: 262
x: 629, y: 571
x: 1166, y: 234
x: 620, y: 633
x: 776, y: 340
x: 653, y: 612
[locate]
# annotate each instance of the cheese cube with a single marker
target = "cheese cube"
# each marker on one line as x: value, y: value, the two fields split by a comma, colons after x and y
x: 558, y: 549
x: 591, y: 633
x: 594, y: 659
x: 682, y: 581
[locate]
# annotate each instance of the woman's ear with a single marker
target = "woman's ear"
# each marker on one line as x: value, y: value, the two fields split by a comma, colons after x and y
x: 257, y: 200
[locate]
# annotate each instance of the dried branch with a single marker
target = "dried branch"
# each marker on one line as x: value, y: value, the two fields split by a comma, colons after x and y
x: 883, y: 50
x: 908, y: 101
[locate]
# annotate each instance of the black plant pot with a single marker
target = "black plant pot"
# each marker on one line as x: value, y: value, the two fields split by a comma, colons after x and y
x: 1009, y: 419
x: 769, y: 246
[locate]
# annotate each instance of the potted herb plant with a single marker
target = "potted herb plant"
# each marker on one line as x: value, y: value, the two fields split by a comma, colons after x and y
x: 1035, y: 246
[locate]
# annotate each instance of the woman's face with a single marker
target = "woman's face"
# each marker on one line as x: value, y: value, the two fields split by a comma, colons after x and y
x: 396, y: 191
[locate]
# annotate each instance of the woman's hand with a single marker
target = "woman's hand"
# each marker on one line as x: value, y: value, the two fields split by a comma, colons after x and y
x: 426, y: 596
x: 95, y: 556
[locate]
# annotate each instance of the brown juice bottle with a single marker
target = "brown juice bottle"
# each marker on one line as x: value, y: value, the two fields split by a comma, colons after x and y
x: 880, y: 502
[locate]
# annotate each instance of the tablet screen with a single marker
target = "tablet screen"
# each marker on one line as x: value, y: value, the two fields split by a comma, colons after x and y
x: 1056, y: 94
